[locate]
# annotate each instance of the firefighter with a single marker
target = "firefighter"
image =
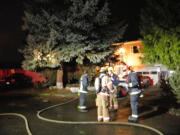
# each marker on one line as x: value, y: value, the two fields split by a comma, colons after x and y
x: 102, y: 97
x: 134, y: 91
x: 83, y: 91
x: 113, y: 89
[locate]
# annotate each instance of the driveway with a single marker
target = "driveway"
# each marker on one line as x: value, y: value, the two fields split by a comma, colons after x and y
x: 153, y: 112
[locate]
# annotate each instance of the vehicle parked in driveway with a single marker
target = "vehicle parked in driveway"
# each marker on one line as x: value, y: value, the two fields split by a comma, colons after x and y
x: 38, y: 79
x: 6, y: 83
x: 20, y: 77
x: 18, y: 80
x: 146, y: 81
x: 154, y: 72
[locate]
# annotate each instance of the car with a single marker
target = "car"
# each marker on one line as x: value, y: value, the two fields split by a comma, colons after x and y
x: 122, y: 89
x: 18, y: 80
x: 6, y: 82
x: 146, y: 81
x: 38, y: 79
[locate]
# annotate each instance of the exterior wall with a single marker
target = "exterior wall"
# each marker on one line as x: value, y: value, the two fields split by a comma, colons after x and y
x: 129, y: 53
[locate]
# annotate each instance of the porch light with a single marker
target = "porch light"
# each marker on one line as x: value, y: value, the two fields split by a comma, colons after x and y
x: 121, y: 50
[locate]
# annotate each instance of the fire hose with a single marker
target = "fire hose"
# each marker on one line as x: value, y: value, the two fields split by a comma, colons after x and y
x: 75, y: 122
x: 92, y: 122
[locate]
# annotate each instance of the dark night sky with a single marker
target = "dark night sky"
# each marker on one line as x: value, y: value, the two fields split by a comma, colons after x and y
x: 11, y: 36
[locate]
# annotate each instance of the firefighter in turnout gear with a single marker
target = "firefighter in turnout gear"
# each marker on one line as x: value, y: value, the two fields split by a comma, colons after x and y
x: 102, y: 97
x: 83, y: 91
x: 134, y: 91
x: 113, y: 83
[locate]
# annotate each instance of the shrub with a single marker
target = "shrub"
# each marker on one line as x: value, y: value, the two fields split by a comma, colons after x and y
x: 175, y: 85
x: 73, y: 77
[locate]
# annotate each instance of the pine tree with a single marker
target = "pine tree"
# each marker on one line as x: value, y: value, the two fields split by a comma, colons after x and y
x: 41, y: 55
x: 79, y: 30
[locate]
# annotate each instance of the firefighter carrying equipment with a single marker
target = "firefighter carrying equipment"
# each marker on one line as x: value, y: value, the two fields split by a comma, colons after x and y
x: 102, y: 100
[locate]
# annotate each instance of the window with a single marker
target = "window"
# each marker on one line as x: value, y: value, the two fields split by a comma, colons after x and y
x: 139, y: 73
x: 154, y: 72
x: 145, y: 73
x: 135, y: 49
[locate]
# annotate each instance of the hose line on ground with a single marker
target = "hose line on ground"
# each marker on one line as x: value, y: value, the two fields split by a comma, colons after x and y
x: 91, y: 122
x: 75, y: 122
x: 22, y: 116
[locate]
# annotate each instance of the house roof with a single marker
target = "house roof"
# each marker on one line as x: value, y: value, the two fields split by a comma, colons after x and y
x: 128, y: 42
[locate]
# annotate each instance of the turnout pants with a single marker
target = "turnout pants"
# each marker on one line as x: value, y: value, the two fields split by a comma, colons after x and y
x: 113, y: 101
x: 82, y: 101
x: 134, y: 100
x: 102, y: 107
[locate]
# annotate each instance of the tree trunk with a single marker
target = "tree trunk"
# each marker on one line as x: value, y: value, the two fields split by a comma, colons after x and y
x: 59, y: 81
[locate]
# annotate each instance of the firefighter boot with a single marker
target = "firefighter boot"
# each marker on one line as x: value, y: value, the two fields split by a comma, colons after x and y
x: 132, y: 119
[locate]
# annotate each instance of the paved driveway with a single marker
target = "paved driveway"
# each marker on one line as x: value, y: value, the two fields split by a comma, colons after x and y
x: 153, y: 112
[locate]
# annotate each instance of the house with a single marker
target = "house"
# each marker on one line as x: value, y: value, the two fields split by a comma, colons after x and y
x: 129, y: 54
